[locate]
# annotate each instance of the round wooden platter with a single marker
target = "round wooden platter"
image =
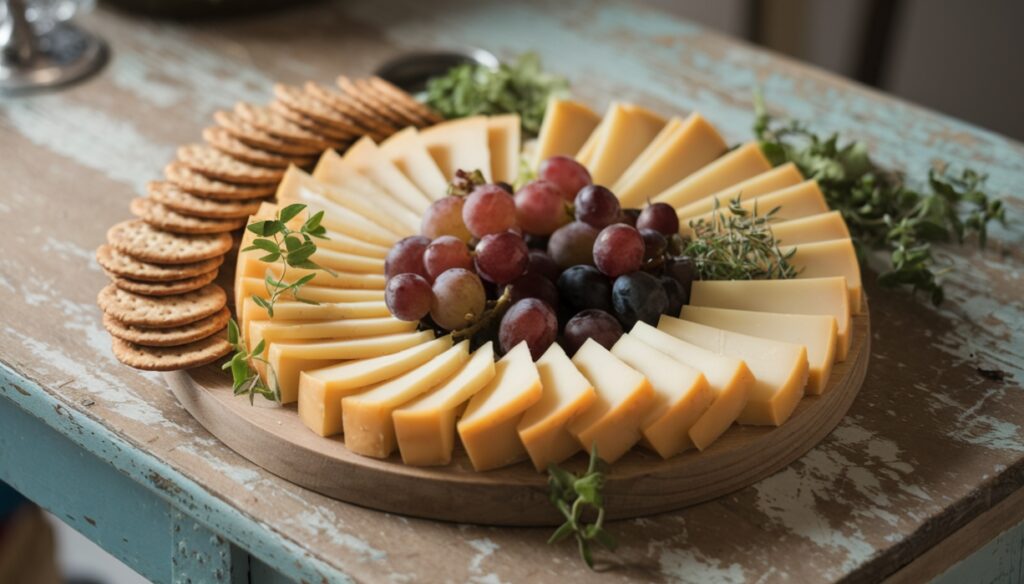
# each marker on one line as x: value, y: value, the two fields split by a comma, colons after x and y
x: 640, y: 483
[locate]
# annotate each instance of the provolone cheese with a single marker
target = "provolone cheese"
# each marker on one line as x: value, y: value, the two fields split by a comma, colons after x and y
x: 338, y: 218
x: 459, y: 144
x: 408, y: 152
x: 567, y: 125
x: 829, y: 258
x: 586, y: 153
x: 628, y: 129
x: 251, y: 267
x: 800, y: 200
x: 769, y: 181
x: 366, y: 157
x: 736, y: 166
x: 258, y: 287
x: 338, y: 241
x: 821, y: 227
x: 503, y: 140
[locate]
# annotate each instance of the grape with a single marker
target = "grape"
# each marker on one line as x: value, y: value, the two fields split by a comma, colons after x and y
x: 654, y: 244
x: 459, y: 299
x: 567, y: 174
x: 638, y: 296
x: 444, y: 253
x: 540, y: 208
x: 505, y: 187
x: 488, y: 209
x: 583, y: 287
x: 597, y: 206
x: 532, y: 285
x: 406, y: 256
x: 629, y: 217
x: 408, y: 296
x: 528, y: 320
x: 536, y: 241
x: 660, y: 217
x: 591, y: 324
x: 572, y: 245
x: 618, y: 249
x: 444, y: 217
x: 677, y: 296
x: 682, y: 270
x: 541, y: 263
x: 502, y: 257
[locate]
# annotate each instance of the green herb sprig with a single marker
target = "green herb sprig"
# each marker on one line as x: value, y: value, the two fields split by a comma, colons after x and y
x: 245, y: 380
x: 520, y: 87
x: 738, y: 245
x: 880, y: 210
x: 574, y: 495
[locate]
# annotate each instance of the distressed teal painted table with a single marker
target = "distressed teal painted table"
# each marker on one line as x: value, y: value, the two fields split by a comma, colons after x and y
x: 926, y: 470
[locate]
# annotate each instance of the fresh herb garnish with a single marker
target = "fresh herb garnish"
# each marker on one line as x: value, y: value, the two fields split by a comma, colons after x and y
x: 739, y: 245
x: 573, y: 495
x: 245, y: 380
x: 465, y: 181
x: 880, y: 210
x: 520, y: 87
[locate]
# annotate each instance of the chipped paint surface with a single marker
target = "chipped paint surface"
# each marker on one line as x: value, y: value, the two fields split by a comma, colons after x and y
x: 928, y: 444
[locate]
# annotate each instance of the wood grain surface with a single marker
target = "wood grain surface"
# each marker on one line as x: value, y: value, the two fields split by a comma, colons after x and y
x: 930, y: 443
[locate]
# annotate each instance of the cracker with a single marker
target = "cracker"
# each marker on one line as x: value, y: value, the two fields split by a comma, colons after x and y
x: 255, y: 137
x: 299, y: 100
x: 378, y: 129
x: 215, y: 164
x: 148, y: 244
x: 406, y: 100
x: 174, y: 198
x: 161, y: 311
x: 168, y: 337
x: 317, y: 127
x: 348, y: 87
x: 167, y: 219
x: 191, y: 181
x: 382, y: 100
x: 224, y: 141
x: 168, y: 288
x: 274, y: 123
x: 125, y: 266
x: 188, y: 356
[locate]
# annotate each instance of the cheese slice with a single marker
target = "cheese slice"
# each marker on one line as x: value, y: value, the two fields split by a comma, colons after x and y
x: 681, y: 395
x: 812, y: 229
x: 817, y: 333
x: 258, y: 287
x: 338, y: 218
x: 736, y: 166
x: 364, y: 196
x: 344, y: 263
x: 367, y: 158
x: 252, y: 267
x: 408, y: 152
x: 459, y: 144
x: 567, y: 125
x: 566, y: 393
x: 503, y: 140
x: 682, y: 148
x: 769, y: 181
x: 729, y: 379
x: 488, y: 426
x: 829, y: 258
x: 366, y: 417
x: 425, y: 427
x: 586, y: 153
x: 800, y: 200
x: 293, y: 310
x: 628, y: 129
x: 338, y: 241
x: 624, y: 398
x: 321, y: 390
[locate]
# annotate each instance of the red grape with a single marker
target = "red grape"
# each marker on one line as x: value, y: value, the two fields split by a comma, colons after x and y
x: 502, y: 257
x: 459, y: 299
x: 660, y: 217
x: 540, y: 208
x: 619, y: 249
x: 597, y: 206
x: 570, y: 176
x: 408, y: 296
x: 541, y: 263
x: 529, y: 320
x: 444, y: 253
x: 444, y: 217
x: 532, y: 285
x: 489, y: 209
x: 629, y: 217
x: 654, y: 244
x: 572, y: 245
x: 406, y: 256
x: 591, y: 324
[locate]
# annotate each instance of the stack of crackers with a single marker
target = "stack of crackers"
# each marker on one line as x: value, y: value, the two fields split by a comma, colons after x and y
x: 162, y: 307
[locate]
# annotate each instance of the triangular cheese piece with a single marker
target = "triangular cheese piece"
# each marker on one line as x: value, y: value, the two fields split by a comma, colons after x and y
x: 770, y: 181
x: 459, y: 145
x: 627, y: 130
x: 408, y: 152
x: 736, y: 166
x: 503, y: 139
x: 812, y: 229
x: 567, y: 125
x: 829, y: 258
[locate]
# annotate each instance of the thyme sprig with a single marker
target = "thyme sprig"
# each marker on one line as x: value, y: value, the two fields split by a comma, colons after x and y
x: 245, y: 380
x: 738, y: 245
x: 574, y: 495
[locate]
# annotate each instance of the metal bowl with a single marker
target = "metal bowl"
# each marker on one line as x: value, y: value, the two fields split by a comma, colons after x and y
x: 410, y: 71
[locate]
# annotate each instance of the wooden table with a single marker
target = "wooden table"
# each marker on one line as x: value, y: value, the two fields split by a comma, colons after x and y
x: 926, y: 469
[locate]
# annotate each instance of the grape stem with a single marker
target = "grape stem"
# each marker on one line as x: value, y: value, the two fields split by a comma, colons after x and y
x: 498, y: 310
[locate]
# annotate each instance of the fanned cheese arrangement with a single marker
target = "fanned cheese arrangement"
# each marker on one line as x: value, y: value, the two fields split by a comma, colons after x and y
x: 443, y: 310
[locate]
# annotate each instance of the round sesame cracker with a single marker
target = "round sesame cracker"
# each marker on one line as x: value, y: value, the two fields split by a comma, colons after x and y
x: 215, y: 164
x: 148, y: 244
x: 188, y: 356
x: 125, y: 266
x: 168, y: 219
x: 168, y: 337
x: 174, y: 198
x: 161, y: 311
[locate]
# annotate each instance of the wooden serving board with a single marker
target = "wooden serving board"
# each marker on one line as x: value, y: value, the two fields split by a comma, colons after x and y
x: 638, y: 484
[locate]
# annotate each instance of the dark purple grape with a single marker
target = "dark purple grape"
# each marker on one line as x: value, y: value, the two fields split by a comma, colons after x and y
x: 597, y: 206
x: 590, y: 324
x: 629, y: 217
x: 573, y: 245
x: 488, y: 209
x: 502, y: 257
x: 570, y: 176
x: 459, y: 299
x: 660, y: 217
x: 505, y: 187
x: 444, y: 253
x: 618, y: 249
x: 528, y: 320
x: 677, y: 296
x: 654, y: 244
x: 638, y: 296
x: 444, y: 217
x: 682, y: 270
x: 531, y: 285
x: 540, y: 208
x: 541, y: 263
x: 408, y: 296
x: 406, y: 256
x: 583, y: 287
x: 536, y: 241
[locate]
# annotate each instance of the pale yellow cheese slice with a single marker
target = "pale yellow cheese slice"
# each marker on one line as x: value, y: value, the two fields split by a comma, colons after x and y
x: 366, y: 157
x: 566, y: 393
x: 816, y: 332
x: 812, y: 229
x: 293, y: 310
x: 829, y: 258
x: 682, y: 148
x: 346, y: 243
x: 250, y: 287
x: 586, y: 153
x: 408, y: 152
x: 488, y: 426
x: 252, y: 267
x: 681, y: 395
x: 800, y: 200
x: 624, y: 398
x: 736, y: 166
x: 780, y: 177
x: 338, y: 218
x: 567, y: 125
x: 503, y: 140
x: 628, y: 129
x: 321, y: 390
x: 729, y: 379
x: 425, y: 427
x: 459, y: 144
x: 366, y: 417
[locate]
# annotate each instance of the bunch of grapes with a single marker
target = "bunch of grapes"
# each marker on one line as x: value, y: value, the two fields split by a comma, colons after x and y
x: 559, y: 254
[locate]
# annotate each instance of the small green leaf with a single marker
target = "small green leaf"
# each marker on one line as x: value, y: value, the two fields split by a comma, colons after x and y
x: 313, y: 222
x: 232, y: 332
x: 260, y: 346
x: 562, y: 532
x: 289, y: 212
x: 265, y: 228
